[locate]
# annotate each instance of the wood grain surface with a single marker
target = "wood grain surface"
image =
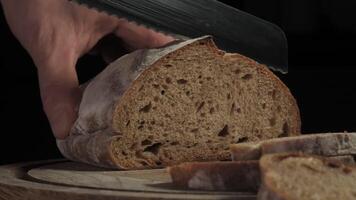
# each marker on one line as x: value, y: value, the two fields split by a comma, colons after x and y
x: 61, y: 179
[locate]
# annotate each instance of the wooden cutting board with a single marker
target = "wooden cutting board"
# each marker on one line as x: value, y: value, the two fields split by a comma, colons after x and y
x: 62, y: 179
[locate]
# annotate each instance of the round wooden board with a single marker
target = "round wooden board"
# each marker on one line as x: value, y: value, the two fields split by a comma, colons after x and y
x: 61, y: 179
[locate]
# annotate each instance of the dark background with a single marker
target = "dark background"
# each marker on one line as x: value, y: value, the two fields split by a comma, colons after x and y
x: 322, y: 49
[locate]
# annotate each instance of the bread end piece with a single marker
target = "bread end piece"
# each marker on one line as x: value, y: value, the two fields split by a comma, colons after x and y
x: 292, y: 176
x: 323, y: 144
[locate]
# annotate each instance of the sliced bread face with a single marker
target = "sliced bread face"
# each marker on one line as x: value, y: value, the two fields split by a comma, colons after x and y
x: 298, y: 176
x: 325, y: 144
x: 185, y: 102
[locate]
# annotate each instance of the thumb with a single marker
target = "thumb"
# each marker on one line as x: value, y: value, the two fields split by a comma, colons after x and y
x: 59, y: 92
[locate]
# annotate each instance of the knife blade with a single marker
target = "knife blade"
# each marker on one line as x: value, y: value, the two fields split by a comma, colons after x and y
x: 233, y: 30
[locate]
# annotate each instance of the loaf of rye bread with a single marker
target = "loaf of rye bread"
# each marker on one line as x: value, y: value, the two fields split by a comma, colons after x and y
x: 324, y: 144
x: 184, y: 102
x: 241, y: 176
x: 297, y: 176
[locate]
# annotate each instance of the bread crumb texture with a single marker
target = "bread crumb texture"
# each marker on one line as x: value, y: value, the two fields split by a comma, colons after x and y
x: 294, y: 177
x: 193, y: 103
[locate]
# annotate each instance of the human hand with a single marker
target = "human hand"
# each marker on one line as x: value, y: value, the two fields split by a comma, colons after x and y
x: 56, y: 33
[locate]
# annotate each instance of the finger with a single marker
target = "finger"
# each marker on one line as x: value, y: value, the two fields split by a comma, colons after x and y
x: 60, y: 93
x: 139, y: 37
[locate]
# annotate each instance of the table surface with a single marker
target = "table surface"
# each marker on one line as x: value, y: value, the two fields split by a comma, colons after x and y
x: 62, y: 179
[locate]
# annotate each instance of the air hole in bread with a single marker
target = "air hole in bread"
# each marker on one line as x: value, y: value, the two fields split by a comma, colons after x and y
x: 163, y: 92
x: 168, y: 80
x: 237, y: 71
x: 224, y: 132
x: 201, y: 105
x: 154, y: 148
x: 232, y: 110
x: 141, y: 88
x: 174, y: 143
x: 211, y: 111
x: 285, y: 130
x: 182, y: 81
x: 155, y: 86
x: 228, y: 96
x: 247, y: 77
x: 194, y: 130
x: 146, y: 142
x: 128, y: 123
x: 187, y: 93
x: 274, y: 94
x: 168, y: 65
x: 208, y: 78
x: 243, y: 139
x: 264, y: 106
x: 279, y: 109
x: 200, y: 76
x: 146, y: 108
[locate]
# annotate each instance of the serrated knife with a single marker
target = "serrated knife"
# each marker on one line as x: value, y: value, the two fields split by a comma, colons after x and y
x: 233, y: 30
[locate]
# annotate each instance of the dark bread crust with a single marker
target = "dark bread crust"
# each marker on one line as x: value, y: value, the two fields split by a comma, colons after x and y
x: 93, y: 136
x: 94, y: 149
x: 325, y: 144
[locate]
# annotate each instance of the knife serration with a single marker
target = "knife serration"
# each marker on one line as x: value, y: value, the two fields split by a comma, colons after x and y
x: 233, y: 30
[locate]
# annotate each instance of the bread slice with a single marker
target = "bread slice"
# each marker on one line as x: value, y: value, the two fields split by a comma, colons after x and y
x: 185, y: 102
x: 241, y: 176
x: 298, y: 176
x: 326, y: 144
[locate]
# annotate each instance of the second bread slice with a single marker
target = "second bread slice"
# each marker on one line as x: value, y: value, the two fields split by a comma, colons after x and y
x: 324, y: 144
